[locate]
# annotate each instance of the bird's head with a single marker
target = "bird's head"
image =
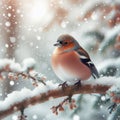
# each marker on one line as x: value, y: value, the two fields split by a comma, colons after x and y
x: 66, y: 42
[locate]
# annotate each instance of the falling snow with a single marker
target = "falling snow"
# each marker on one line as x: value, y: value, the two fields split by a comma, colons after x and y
x: 12, y: 83
x: 38, y: 38
x: 64, y: 24
x: 32, y: 28
x: 14, y: 117
x: 9, y: 14
x: 76, y: 117
x: 103, y: 98
x: 6, y: 45
x: 35, y: 117
x: 7, y: 24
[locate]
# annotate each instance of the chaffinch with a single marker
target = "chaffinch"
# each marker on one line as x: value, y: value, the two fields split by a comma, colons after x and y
x: 71, y: 62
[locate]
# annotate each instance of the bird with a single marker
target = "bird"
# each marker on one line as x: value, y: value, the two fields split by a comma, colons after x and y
x: 70, y: 62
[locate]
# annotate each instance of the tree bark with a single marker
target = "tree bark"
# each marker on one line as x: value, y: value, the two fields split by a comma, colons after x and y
x: 10, y: 30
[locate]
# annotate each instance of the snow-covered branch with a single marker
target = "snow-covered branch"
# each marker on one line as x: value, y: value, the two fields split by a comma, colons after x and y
x: 8, y: 65
x: 25, y: 98
x: 25, y: 70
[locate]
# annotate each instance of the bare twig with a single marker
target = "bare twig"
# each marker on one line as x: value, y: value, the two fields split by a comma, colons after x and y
x: 59, y: 107
x: 31, y: 77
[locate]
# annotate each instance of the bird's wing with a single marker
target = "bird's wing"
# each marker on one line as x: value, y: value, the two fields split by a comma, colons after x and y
x: 85, y: 59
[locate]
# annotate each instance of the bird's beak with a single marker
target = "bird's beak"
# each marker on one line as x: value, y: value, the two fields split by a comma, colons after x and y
x: 57, y: 44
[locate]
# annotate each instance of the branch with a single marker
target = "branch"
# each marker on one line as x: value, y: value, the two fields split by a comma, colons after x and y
x: 54, y: 93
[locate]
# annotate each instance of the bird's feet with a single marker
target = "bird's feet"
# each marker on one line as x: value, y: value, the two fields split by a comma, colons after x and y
x: 77, y: 85
x: 63, y: 85
x: 112, y: 107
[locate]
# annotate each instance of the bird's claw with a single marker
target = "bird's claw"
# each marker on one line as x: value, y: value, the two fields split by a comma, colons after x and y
x: 77, y: 85
x: 63, y: 85
x: 112, y: 107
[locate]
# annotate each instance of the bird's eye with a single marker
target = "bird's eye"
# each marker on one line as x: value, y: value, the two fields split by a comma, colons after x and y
x: 65, y: 43
x: 61, y: 42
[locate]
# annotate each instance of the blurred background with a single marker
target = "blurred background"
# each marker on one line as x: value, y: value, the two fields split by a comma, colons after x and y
x: 29, y: 28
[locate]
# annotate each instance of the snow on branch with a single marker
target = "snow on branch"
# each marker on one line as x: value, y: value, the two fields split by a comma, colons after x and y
x: 109, y: 63
x: 18, y: 100
x: 25, y: 70
x: 7, y: 65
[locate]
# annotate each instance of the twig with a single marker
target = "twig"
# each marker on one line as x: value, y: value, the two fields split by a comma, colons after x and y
x: 31, y: 77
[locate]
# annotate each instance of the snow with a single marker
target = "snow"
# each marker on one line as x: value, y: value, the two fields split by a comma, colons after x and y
x: 14, y: 117
x: 6, y: 45
x: 13, y: 66
x: 9, y: 7
x: 7, y: 24
x: 35, y: 43
x: 89, y: 5
x: 35, y: 117
x: 9, y: 14
x: 12, y: 83
x: 76, y: 117
x: 110, y: 34
x: 38, y: 38
x: 109, y: 62
x: 103, y: 98
x: 64, y: 24
x: 28, y: 63
x: 102, y: 81
x: 18, y: 96
x: 16, y: 67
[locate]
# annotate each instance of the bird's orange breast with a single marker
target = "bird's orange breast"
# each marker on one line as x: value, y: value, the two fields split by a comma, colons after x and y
x: 71, y: 64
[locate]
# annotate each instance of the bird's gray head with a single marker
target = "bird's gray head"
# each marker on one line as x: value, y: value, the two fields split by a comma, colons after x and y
x: 67, y: 42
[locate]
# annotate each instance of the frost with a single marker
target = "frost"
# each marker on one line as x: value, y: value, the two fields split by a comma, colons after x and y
x: 7, y: 24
